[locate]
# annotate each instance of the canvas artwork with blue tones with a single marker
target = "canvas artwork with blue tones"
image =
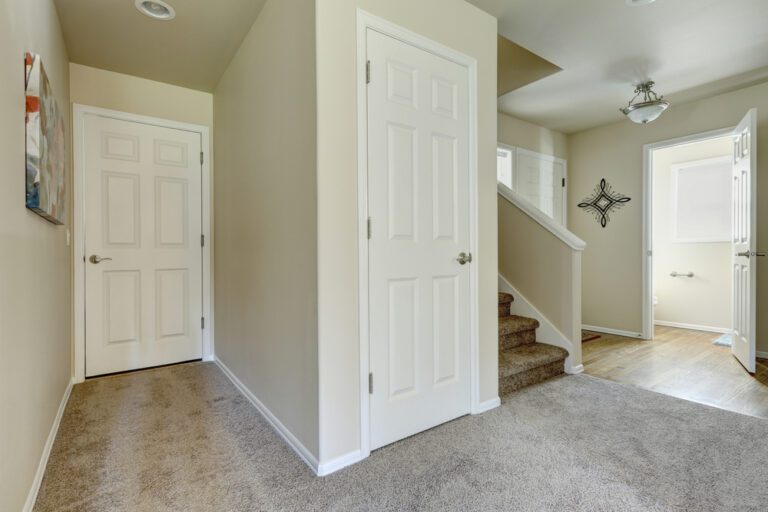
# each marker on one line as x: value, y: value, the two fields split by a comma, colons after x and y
x: 45, y: 146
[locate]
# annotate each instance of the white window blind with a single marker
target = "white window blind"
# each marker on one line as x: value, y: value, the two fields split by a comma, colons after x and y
x: 701, y: 195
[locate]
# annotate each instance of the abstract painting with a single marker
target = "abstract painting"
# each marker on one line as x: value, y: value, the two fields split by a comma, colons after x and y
x: 45, y: 145
x: 603, y: 201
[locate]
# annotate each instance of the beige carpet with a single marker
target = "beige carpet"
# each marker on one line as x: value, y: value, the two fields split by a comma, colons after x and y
x: 183, y: 439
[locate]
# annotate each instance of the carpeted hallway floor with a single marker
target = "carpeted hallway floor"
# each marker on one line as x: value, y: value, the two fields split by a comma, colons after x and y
x: 183, y: 439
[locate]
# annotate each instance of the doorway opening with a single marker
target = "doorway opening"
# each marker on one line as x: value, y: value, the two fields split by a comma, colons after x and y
x: 692, y: 205
x: 699, y: 238
x: 142, y: 264
x: 699, y: 225
x: 417, y: 234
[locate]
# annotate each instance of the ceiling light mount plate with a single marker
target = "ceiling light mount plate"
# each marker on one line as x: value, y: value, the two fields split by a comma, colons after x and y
x: 638, y: 3
x: 155, y: 9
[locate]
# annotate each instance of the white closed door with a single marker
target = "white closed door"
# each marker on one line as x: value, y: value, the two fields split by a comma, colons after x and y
x: 744, y: 244
x: 541, y: 180
x: 419, y: 190
x: 142, y: 245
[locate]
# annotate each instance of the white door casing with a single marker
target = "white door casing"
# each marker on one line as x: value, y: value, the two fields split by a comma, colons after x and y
x: 745, y: 241
x: 419, y: 207
x: 143, y: 209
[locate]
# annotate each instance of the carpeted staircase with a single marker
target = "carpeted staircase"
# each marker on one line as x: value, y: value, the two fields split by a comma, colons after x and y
x: 523, y: 361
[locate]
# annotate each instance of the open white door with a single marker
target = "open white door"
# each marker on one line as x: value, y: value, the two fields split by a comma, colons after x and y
x: 745, y: 240
x: 419, y: 207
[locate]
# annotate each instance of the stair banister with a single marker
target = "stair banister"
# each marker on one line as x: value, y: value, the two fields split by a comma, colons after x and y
x: 544, y: 220
x: 541, y: 260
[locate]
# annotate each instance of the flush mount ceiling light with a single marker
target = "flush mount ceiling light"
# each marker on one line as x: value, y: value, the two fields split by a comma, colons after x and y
x: 647, y: 110
x: 635, y: 3
x: 155, y: 9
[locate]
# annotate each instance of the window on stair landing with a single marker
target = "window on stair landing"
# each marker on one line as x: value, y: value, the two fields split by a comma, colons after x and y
x: 504, y: 165
x: 536, y: 177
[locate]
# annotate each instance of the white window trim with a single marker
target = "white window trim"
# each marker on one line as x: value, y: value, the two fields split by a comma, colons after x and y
x: 513, y: 156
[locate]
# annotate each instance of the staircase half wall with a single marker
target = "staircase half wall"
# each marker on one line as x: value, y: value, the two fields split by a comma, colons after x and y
x: 540, y: 264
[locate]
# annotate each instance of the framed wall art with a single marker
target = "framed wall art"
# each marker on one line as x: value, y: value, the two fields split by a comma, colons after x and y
x: 46, y: 156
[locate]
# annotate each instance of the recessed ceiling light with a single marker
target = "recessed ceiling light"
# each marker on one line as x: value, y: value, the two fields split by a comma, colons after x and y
x: 156, y: 9
x: 636, y: 3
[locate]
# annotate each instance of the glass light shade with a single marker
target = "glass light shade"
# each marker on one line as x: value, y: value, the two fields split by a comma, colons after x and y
x: 642, y: 113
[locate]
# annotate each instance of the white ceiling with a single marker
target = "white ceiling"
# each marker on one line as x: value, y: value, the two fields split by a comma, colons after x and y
x: 690, y: 48
x: 192, y: 50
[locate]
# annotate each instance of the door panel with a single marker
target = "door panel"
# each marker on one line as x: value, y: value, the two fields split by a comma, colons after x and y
x: 143, y: 215
x: 744, y: 244
x: 418, y: 165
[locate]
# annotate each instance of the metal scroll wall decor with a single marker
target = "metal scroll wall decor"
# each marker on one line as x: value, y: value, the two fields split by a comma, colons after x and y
x: 603, y: 201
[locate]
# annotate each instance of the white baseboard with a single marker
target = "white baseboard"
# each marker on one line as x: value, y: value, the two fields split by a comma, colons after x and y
x: 575, y: 370
x: 326, y: 468
x: 693, y: 327
x: 487, y: 405
x: 281, y: 429
x: 608, y: 330
x: 761, y: 355
x: 32, y: 496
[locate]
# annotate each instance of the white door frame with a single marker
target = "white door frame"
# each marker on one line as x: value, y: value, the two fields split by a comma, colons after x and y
x: 79, y: 112
x: 648, y: 150
x: 367, y: 21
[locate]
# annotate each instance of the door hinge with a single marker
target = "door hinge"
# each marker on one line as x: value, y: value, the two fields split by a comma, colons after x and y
x: 369, y: 228
x: 370, y: 383
x: 367, y: 72
x: 201, y: 158
x: 563, y: 182
x: 202, y: 322
x: 202, y: 240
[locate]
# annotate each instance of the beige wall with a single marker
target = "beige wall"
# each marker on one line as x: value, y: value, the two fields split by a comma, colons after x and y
x: 704, y: 300
x: 465, y: 29
x: 126, y: 93
x: 522, y: 134
x: 266, y: 210
x: 613, y: 257
x: 35, y: 262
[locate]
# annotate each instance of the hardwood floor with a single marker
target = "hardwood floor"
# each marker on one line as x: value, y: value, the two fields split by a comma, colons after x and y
x: 681, y: 363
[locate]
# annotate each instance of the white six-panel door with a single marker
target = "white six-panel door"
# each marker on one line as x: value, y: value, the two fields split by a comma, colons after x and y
x: 418, y: 196
x: 744, y: 244
x: 143, y: 269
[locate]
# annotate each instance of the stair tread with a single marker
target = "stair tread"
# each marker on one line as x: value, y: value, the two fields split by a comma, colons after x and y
x: 514, y: 323
x: 520, y: 359
x: 505, y: 298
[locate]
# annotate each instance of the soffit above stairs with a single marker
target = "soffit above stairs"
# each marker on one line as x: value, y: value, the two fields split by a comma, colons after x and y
x: 518, y: 67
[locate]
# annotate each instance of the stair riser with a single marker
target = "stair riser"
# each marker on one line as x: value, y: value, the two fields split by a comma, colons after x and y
x: 504, y: 310
x: 517, y: 339
x: 533, y: 376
